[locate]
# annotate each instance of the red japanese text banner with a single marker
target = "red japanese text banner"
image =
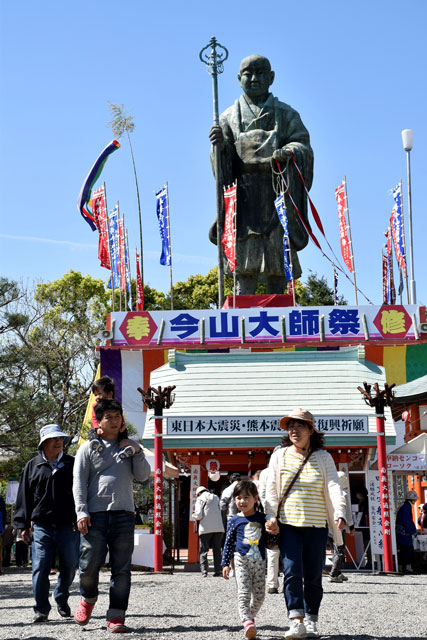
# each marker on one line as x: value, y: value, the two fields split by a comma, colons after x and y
x: 139, y: 287
x: 344, y: 239
x: 122, y: 265
x: 229, y: 235
x: 99, y: 210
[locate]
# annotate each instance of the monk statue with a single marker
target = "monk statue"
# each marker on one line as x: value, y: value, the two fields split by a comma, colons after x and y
x: 255, y: 130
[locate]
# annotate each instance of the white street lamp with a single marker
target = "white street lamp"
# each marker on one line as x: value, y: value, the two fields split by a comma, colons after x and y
x: 407, y: 139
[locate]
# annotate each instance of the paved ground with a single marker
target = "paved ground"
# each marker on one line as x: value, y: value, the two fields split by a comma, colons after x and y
x: 189, y: 607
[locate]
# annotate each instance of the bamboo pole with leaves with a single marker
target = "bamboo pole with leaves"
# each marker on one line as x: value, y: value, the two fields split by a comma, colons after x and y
x: 121, y: 124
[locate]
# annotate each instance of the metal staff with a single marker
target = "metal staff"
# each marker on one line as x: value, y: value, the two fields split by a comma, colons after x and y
x: 214, y: 62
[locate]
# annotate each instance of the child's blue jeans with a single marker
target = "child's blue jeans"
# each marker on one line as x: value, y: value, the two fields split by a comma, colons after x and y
x: 112, y: 531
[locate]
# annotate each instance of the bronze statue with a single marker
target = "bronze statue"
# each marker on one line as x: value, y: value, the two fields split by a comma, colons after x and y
x: 252, y: 132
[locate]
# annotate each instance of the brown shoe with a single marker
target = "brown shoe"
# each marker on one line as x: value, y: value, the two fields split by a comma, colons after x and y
x: 272, y: 590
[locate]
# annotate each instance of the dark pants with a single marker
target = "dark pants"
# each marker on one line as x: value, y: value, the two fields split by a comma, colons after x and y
x: 303, y: 551
x: 21, y: 553
x: 207, y: 541
x: 112, y: 531
x: 45, y: 538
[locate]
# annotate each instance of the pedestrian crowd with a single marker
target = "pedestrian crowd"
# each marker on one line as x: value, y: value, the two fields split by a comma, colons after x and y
x: 82, y: 508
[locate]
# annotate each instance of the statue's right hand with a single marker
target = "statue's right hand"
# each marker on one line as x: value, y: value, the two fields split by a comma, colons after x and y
x: 216, y: 135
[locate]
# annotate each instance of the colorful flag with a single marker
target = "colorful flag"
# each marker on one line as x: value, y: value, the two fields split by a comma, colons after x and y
x: 139, y: 286
x: 281, y: 212
x: 229, y: 236
x: 127, y: 271
x: 396, y: 221
x: 114, y: 248
x: 344, y: 239
x: 384, y: 264
x: 162, y: 207
x: 100, y: 216
x: 122, y: 266
x: 391, y: 291
x: 92, y: 177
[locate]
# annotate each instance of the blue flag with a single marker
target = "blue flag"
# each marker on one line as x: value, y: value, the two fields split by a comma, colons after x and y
x: 281, y: 212
x: 113, y: 230
x: 163, y: 216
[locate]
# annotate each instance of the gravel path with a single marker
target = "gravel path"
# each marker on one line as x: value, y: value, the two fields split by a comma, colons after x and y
x: 189, y: 607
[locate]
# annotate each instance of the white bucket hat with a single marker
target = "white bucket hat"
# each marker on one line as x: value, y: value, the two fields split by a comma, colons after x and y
x: 52, y: 431
x: 200, y: 490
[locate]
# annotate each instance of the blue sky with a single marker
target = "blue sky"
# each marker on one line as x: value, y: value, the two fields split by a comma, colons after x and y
x: 354, y: 71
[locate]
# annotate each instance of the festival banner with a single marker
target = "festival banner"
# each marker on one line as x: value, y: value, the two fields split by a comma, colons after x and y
x: 139, y: 286
x: 182, y: 328
x: 122, y: 267
x: 229, y: 236
x: 100, y: 216
x: 396, y: 221
x: 344, y: 239
x: 114, y: 247
x: 281, y: 212
x: 93, y: 175
x: 162, y: 209
x: 384, y: 264
x: 127, y: 271
x: 391, y: 291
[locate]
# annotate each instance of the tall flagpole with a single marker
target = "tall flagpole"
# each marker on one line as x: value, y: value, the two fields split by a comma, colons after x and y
x: 350, y: 241
x: 108, y: 244
x: 214, y: 62
x: 170, y: 242
x: 124, y: 260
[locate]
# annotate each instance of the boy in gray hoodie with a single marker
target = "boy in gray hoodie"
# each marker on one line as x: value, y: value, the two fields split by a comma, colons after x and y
x: 103, y: 494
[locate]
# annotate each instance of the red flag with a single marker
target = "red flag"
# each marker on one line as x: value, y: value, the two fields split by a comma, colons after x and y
x: 139, y: 287
x: 384, y: 279
x: 229, y: 235
x: 397, y: 231
x: 345, y: 243
x: 99, y: 211
x: 122, y: 266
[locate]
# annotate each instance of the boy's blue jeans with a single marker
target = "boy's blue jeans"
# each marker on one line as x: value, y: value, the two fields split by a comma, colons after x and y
x: 112, y: 531
x: 48, y: 539
x: 303, y: 552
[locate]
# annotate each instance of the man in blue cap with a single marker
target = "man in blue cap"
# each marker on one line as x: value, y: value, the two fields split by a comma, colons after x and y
x: 45, y: 510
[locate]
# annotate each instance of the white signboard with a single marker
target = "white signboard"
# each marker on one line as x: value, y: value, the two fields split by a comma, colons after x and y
x: 195, y: 482
x: 270, y: 324
x: 259, y: 425
x: 407, y: 461
x: 375, y: 522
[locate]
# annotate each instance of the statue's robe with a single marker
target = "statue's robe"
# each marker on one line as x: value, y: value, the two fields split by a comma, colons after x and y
x: 252, y: 134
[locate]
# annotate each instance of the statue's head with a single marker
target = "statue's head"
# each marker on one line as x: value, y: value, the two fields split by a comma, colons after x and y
x: 255, y: 76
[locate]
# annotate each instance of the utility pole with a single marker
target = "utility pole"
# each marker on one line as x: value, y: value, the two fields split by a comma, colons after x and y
x: 379, y: 401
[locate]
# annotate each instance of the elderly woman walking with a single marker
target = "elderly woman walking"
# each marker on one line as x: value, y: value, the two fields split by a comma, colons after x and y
x: 303, y: 498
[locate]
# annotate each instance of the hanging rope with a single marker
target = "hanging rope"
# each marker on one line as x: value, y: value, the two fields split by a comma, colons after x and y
x: 284, y: 187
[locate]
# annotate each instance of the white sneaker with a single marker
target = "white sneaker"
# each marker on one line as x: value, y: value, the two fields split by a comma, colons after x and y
x: 311, y: 627
x: 296, y: 629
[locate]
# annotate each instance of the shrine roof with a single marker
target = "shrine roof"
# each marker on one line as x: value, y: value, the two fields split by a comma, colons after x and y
x: 270, y: 384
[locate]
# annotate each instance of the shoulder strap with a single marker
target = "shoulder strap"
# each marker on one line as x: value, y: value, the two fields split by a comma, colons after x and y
x: 294, y: 479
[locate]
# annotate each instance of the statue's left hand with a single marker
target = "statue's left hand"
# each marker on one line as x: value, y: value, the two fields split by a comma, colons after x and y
x: 282, y: 154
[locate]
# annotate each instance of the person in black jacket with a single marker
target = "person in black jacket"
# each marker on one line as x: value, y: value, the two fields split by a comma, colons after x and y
x: 45, y: 509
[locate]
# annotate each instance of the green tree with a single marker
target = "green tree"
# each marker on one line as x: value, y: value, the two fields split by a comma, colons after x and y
x: 48, y: 362
x: 315, y: 292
